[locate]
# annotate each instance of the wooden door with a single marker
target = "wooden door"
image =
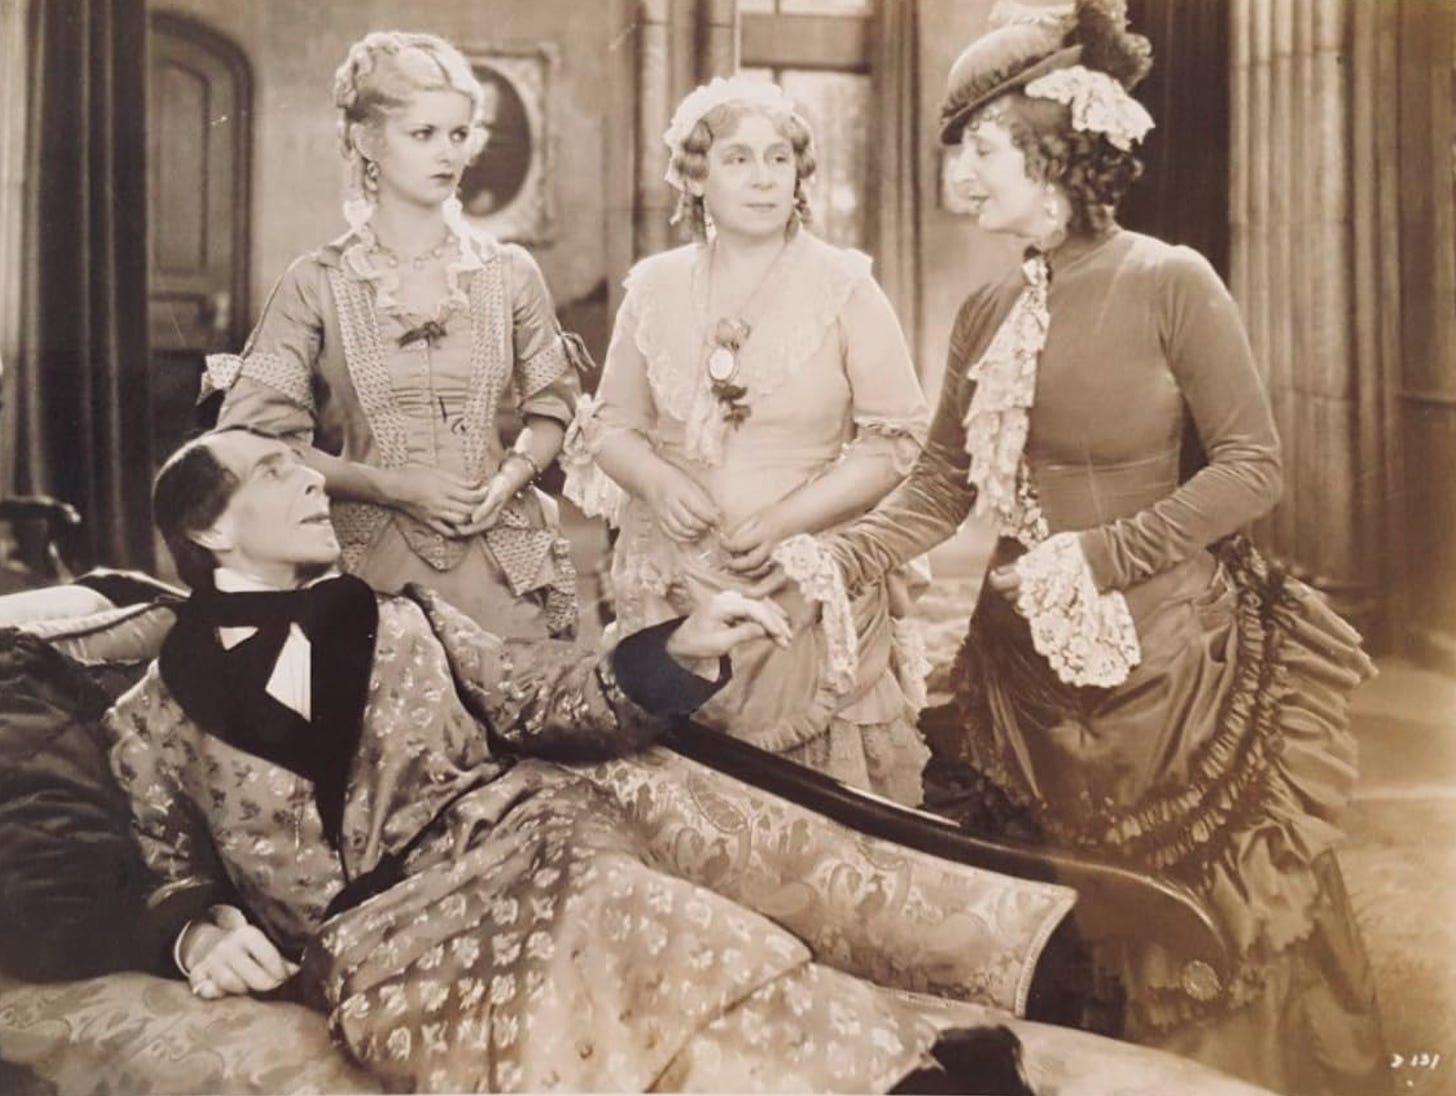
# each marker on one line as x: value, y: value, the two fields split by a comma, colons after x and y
x: 198, y: 135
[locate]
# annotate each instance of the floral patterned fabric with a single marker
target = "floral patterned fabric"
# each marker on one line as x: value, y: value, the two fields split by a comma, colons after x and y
x: 141, y: 1035
x: 567, y: 929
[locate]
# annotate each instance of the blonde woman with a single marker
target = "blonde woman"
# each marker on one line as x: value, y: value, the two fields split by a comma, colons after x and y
x: 385, y: 355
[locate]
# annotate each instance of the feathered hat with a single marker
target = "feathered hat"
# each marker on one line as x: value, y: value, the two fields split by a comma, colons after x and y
x: 1028, y: 42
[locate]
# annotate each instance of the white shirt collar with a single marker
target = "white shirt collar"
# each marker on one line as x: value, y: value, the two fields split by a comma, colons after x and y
x: 228, y: 581
x: 290, y: 683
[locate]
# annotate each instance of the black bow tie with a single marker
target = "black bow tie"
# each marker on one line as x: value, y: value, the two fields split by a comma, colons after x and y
x: 225, y: 692
x: 316, y: 609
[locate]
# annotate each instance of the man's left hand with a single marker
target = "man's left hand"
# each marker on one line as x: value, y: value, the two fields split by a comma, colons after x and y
x: 727, y: 620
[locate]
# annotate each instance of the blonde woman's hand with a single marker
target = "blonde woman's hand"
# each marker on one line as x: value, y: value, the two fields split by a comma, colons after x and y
x: 441, y: 500
x: 498, y: 492
x: 225, y: 954
x: 682, y: 508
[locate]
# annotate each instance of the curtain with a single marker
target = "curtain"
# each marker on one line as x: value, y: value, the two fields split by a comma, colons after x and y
x: 1183, y: 196
x: 13, y: 85
x: 895, y: 156
x: 82, y: 389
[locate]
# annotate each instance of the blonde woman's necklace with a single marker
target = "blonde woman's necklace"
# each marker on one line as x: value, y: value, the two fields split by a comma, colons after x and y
x: 393, y: 258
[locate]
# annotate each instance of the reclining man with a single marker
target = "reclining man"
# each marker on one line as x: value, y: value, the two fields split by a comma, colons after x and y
x: 366, y: 795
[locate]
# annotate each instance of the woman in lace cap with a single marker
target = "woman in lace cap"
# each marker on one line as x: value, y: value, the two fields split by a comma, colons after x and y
x: 384, y: 355
x: 1137, y: 684
x: 758, y: 387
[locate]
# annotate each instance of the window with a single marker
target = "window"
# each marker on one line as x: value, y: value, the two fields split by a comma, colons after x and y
x: 818, y: 51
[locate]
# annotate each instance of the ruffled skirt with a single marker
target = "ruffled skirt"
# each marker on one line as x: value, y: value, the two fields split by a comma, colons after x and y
x: 783, y: 699
x: 1221, y: 764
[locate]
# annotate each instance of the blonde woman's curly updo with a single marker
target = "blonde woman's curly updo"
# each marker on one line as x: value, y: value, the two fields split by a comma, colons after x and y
x: 691, y: 160
x: 383, y: 70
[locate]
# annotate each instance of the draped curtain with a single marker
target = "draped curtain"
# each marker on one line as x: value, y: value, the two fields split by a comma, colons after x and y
x: 895, y: 159
x: 82, y: 390
x: 1183, y: 196
x: 13, y: 87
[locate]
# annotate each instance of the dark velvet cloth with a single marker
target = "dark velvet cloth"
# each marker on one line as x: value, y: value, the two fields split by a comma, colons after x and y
x: 72, y: 883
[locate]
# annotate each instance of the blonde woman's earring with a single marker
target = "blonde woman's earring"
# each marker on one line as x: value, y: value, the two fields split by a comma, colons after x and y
x: 371, y: 174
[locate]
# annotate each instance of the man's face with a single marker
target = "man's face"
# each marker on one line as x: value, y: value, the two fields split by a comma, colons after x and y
x: 276, y: 525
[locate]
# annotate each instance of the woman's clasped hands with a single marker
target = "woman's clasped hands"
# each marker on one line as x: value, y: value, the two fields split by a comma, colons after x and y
x: 449, y: 504
x: 681, y: 507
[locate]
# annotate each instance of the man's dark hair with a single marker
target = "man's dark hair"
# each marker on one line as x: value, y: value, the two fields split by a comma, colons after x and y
x: 189, y: 495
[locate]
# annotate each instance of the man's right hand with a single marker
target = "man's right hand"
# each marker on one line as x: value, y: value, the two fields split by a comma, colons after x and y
x: 727, y: 620
x: 226, y: 955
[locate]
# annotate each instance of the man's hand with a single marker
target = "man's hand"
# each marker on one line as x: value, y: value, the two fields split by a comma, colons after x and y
x: 1005, y: 581
x: 226, y: 955
x: 724, y: 622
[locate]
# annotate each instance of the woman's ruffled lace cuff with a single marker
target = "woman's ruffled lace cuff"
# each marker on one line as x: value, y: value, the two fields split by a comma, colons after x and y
x: 1087, y: 637
x: 812, y: 567
x: 594, y: 492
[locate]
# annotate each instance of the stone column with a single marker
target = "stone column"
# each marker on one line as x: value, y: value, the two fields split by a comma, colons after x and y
x: 655, y: 101
x: 718, y: 38
x: 680, y: 43
x: 1292, y: 271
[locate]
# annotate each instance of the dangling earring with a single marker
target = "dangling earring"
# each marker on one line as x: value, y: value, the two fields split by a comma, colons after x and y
x: 798, y: 212
x: 1051, y: 206
x: 371, y: 175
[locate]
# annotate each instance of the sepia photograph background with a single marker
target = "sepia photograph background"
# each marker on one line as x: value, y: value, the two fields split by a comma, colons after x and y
x: 162, y: 162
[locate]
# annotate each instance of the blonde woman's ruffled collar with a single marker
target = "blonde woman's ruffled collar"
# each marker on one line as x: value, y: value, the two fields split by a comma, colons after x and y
x: 356, y: 260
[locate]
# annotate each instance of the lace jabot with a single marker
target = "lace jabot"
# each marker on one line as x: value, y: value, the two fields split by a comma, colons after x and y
x: 1088, y: 637
x: 800, y: 303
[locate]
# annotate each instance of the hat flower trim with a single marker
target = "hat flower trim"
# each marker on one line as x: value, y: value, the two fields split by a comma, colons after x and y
x: 1099, y: 104
x: 720, y: 90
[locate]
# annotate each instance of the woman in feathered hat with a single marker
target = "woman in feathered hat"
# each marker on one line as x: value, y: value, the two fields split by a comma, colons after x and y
x: 1137, y: 683
x: 758, y: 387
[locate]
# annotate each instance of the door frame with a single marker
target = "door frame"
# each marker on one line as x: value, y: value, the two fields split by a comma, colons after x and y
x: 177, y: 25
